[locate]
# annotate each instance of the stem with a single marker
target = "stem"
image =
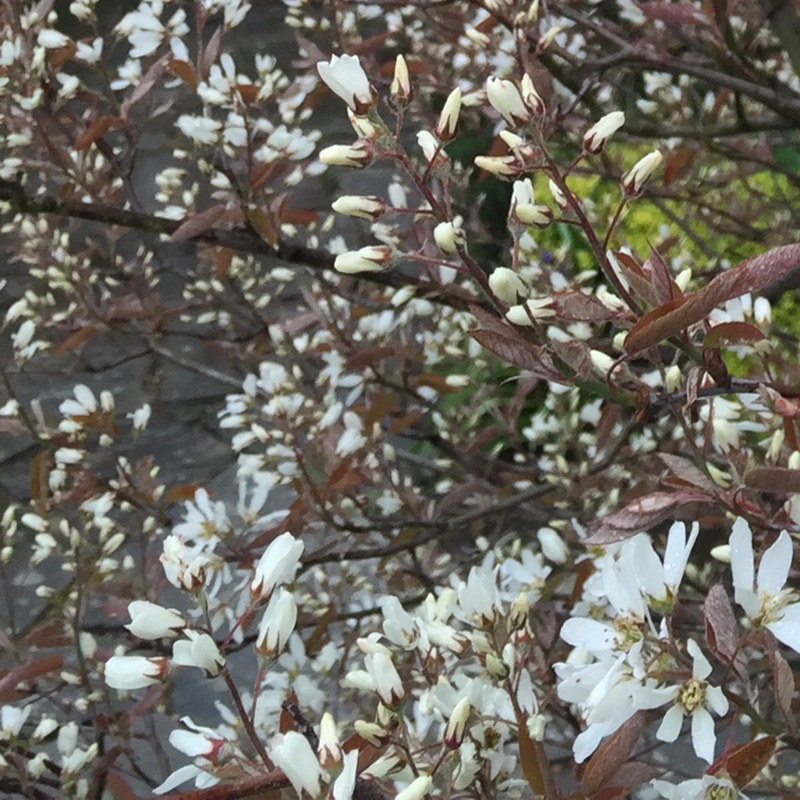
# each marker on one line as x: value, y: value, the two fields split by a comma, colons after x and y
x: 246, y: 720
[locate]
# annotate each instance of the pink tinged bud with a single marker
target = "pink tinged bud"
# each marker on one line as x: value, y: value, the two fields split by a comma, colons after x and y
x: 507, y: 101
x: 134, y: 672
x: 507, y: 286
x: 367, y: 259
x: 277, y: 565
x: 448, y: 119
x: 277, y: 624
x: 151, y: 621
x: 364, y: 207
x: 343, y: 155
x: 502, y: 166
x: 329, y: 752
x: 293, y: 754
x: 595, y: 138
x: 417, y: 789
x: 387, y: 681
x: 449, y: 236
x: 637, y: 176
x: 456, y: 725
x: 530, y: 96
x: 198, y: 650
x: 345, y: 77
x: 400, y: 89
x: 558, y: 196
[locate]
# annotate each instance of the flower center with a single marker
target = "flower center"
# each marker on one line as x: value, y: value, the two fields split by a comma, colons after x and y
x: 630, y: 630
x: 692, y: 695
x: 772, y: 605
x: 720, y: 793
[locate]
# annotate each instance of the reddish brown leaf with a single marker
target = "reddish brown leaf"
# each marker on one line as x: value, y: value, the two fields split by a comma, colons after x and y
x: 744, y: 761
x: 93, y: 131
x: 784, y: 688
x: 380, y: 407
x: 75, y: 340
x: 39, y: 481
x: 222, y: 262
x: 775, y: 480
x: 27, y: 672
x: 369, y: 356
x: 612, y: 754
x: 732, y: 333
x: 674, y: 13
x: 581, y: 307
x: 211, y: 51
x: 183, y: 492
x: 402, y: 424
x: 642, y: 514
x: 665, y: 288
x: 752, y: 275
x: 678, y: 163
x: 722, y: 633
x: 637, y: 278
x: 184, y: 70
x: 529, y: 759
x: 118, y: 786
x: 298, y: 216
x: 687, y: 472
x: 59, y: 56
x: 262, y: 225
x: 197, y: 223
x: 511, y: 350
x: 146, y: 83
x: 434, y: 381
x: 649, y: 320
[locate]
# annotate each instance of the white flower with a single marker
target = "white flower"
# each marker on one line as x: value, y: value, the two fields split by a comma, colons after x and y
x: 553, y: 547
x: 709, y: 786
x: 134, y: 672
x: 12, y: 719
x: 346, y: 77
x: 51, y: 39
x: 448, y: 118
x: 365, y: 207
x: 449, y: 235
x: 344, y: 155
x: 507, y: 101
x: 293, y: 754
x: 151, y: 621
x: 692, y: 699
x: 202, y: 130
x: 595, y: 138
x: 637, y: 176
x: 345, y: 784
x: 400, y: 89
x: 182, y: 568
x: 277, y: 624
x: 84, y: 404
x: 764, y: 599
x: 385, y: 677
x: 658, y: 581
x: 456, y: 725
x: 398, y: 625
x: 524, y: 210
x: 479, y: 598
x: 417, y: 789
x: 508, y: 287
x: 198, y: 650
x: 367, y: 259
x: 278, y: 565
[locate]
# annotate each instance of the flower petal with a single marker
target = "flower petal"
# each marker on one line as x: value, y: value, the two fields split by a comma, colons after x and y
x: 670, y: 727
x: 741, y: 542
x: 774, y: 567
x: 786, y: 629
x: 703, y: 737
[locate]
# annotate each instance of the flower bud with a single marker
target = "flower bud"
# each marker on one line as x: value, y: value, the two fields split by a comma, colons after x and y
x: 365, y: 207
x: 637, y: 176
x: 530, y: 96
x: 523, y: 210
x: 449, y: 236
x: 367, y: 259
x: 508, y: 287
x: 456, y: 725
x: 595, y: 138
x: 400, y: 89
x: 277, y: 624
x: 558, y: 196
x: 417, y: 789
x: 448, y: 119
x: 536, y: 307
x: 329, y: 751
x: 152, y: 621
x: 553, y: 547
x: 504, y: 166
x: 373, y: 733
x: 343, y: 155
x: 507, y: 101
x: 495, y: 667
x: 134, y: 672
